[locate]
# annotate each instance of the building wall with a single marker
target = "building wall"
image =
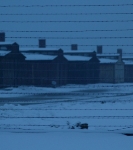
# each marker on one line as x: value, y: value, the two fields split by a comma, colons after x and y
x: 12, y: 72
x: 37, y: 73
x: 83, y: 72
x: 107, y: 73
x: 93, y: 73
x: 128, y: 73
x: 58, y: 74
x: 1, y: 73
x: 119, y: 72
x: 44, y: 73
x: 77, y: 72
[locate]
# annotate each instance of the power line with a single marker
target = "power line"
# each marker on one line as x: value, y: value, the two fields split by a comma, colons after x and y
x: 69, y: 5
x: 32, y: 37
x: 102, y: 30
x: 73, y: 21
x: 58, y: 14
x: 70, y: 117
x: 78, y: 45
x: 85, y: 109
x: 36, y: 46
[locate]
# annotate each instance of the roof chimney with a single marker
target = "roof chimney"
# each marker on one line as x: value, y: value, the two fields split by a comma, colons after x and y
x: 99, y: 49
x: 60, y: 52
x: 2, y: 37
x: 42, y: 43
x: 15, y: 47
x: 74, y: 47
x: 119, y: 51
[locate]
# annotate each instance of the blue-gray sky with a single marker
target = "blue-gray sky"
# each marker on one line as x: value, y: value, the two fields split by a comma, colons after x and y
x: 69, y: 26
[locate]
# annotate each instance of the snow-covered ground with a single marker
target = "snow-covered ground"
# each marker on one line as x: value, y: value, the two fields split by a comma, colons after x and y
x: 102, y: 106
x: 91, y: 89
x: 65, y: 141
x: 50, y: 122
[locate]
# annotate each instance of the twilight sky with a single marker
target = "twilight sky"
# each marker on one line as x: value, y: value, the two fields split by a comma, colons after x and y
x: 83, y: 29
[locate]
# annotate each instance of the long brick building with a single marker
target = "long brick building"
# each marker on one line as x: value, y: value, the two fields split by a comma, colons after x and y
x: 45, y: 67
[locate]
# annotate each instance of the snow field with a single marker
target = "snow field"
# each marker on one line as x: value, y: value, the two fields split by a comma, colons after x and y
x: 107, y: 108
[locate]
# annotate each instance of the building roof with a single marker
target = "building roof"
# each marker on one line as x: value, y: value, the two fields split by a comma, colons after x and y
x: 4, y: 52
x: 127, y: 56
x: 38, y: 49
x: 128, y: 62
x: 38, y: 56
x: 6, y: 43
x: 106, y: 60
x: 77, y: 58
x: 78, y: 51
x: 108, y: 54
